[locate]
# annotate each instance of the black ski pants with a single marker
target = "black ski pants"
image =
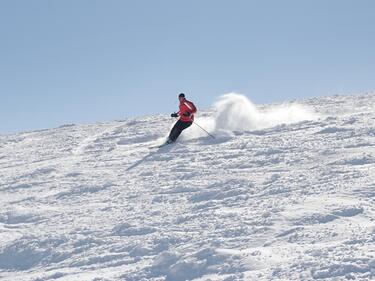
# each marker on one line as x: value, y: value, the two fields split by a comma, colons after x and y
x: 178, y: 128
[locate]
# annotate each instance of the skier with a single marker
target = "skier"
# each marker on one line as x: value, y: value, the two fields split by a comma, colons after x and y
x: 186, y: 114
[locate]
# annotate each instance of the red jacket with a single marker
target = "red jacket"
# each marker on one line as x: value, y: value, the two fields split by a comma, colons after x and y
x: 187, y: 106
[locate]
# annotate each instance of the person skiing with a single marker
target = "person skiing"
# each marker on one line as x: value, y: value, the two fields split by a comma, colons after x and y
x: 186, y: 118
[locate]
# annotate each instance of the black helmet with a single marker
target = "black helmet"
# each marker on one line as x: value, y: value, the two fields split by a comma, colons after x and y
x: 182, y: 95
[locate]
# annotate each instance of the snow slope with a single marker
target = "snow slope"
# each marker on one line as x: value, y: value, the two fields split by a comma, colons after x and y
x: 284, y: 192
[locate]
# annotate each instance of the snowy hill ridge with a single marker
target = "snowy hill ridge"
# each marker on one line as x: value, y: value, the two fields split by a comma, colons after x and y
x: 284, y: 192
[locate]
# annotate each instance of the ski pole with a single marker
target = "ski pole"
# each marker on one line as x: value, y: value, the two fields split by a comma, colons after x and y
x: 204, y: 130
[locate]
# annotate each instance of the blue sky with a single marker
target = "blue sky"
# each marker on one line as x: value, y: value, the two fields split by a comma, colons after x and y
x: 79, y: 61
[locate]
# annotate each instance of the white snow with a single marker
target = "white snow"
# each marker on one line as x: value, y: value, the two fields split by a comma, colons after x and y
x: 284, y: 192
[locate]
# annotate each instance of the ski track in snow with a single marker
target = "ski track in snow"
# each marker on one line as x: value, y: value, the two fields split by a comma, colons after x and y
x: 288, y: 202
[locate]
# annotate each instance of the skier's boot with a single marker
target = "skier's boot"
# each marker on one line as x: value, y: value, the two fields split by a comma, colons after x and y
x: 169, y: 141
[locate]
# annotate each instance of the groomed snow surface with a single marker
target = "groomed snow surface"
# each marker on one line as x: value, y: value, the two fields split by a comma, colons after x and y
x: 284, y: 192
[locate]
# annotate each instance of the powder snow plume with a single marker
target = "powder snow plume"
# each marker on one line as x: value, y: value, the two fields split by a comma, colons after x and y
x: 235, y: 112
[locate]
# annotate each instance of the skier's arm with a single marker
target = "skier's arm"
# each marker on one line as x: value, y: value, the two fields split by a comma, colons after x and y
x: 194, y: 108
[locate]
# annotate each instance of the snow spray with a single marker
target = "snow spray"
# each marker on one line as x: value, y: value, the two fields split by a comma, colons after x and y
x: 236, y: 112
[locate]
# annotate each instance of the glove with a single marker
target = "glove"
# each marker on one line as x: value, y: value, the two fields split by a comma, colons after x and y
x: 174, y: 115
x: 187, y: 114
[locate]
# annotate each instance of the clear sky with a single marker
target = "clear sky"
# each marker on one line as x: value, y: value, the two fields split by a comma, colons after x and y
x: 79, y: 61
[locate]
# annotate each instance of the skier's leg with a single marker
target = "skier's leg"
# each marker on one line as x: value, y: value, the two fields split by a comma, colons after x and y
x: 186, y: 125
x: 176, y: 131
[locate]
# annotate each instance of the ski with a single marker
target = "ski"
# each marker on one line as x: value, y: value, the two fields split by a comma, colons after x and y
x: 161, y: 145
